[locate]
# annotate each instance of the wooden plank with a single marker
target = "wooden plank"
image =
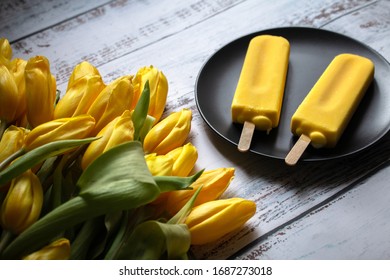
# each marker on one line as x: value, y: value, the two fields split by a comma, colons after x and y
x: 370, y: 24
x: 19, y: 19
x: 353, y: 226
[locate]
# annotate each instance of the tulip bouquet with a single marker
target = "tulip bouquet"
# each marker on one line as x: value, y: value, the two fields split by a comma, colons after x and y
x: 98, y: 173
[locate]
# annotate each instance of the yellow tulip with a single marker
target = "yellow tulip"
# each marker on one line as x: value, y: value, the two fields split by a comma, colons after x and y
x: 10, y: 98
x: 81, y: 93
x: 118, y: 131
x: 23, y: 203
x: 158, y: 85
x: 212, y: 220
x: 184, y: 160
x: 12, y: 141
x: 169, y: 133
x: 159, y: 165
x: 178, y: 162
x: 213, y: 182
x: 57, y: 250
x: 40, y: 91
x: 5, y: 52
x: 17, y: 68
x: 60, y: 129
x: 111, y: 102
x: 80, y: 71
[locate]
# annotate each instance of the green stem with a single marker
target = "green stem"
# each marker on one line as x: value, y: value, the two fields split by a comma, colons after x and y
x: 81, y: 244
x: 11, y: 158
x: 119, y: 237
x: 72, y: 157
x: 45, y: 173
x: 6, y: 238
x: 57, y: 185
x: 3, y: 127
x: 3, y: 194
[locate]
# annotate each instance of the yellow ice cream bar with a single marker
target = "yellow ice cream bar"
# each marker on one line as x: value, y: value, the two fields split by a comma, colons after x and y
x: 260, y: 88
x: 330, y: 104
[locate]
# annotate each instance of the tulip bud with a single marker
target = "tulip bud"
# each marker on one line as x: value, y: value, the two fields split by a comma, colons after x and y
x: 118, y: 131
x: 12, y: 141
x: 111, y: 102
x: 159, y: 165
x: 178, y: 162
x: 60, y: 129
x: 40, y: 91
x: 184, y: 159
x: 213, y: 183
x: 10, y: 98
x: 22, y: 205
x: 169, y: 133
x: 212, y: 220
x: 158, y: 85
x: 81, y: 93
x: 57, y: 250
x: 5, y: 52
x: 80, y: 71
x: 17, y: 68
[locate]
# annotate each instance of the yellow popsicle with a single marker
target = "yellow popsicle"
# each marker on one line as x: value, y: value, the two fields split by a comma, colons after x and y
x: 260, y: 88
x: 325, y: 112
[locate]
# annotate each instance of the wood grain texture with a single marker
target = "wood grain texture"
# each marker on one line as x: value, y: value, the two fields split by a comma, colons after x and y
x: 333, y: 230
x: 178, y: 37
x: 19, y: 19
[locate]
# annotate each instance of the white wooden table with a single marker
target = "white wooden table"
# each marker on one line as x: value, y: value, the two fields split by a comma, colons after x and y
x: 337, y: 209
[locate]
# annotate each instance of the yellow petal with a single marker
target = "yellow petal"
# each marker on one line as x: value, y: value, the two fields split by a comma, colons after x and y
x: 118, y: 131
x: 60, y: 129
x: 159, y: 165
x: 185, y: 158
x: 9, y: 96
x: 12, y: 141
x: 158, y: 85
x: 169, y: 133
x: 79, y: 98
x: 40, y: 91
x: 212, y: 220
x: 111, y: 102
x: 23, y: 203
x: 5, y: 52
x: 57, y: 250
x: 213, y: 182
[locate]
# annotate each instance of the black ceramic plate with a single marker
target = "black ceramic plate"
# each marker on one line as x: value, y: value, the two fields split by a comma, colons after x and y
x: 311, y: 52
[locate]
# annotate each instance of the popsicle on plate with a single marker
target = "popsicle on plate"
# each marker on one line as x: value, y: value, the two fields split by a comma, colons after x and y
x: 323, y: 115
x: 257, y: 101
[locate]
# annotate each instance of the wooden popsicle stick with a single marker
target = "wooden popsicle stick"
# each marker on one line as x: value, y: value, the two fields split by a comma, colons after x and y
x: 297, y: 150
x: 246, y: 137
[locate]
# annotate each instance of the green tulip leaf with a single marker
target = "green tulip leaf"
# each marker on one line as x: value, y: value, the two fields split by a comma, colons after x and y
x: 141, y: 111
x: 148, y: 124
x: 154, y: 240
x: 88, y: 233
x: 171, y: 183
x: 116, y: 170
x: 181, y: 216
x: 37, y: 155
